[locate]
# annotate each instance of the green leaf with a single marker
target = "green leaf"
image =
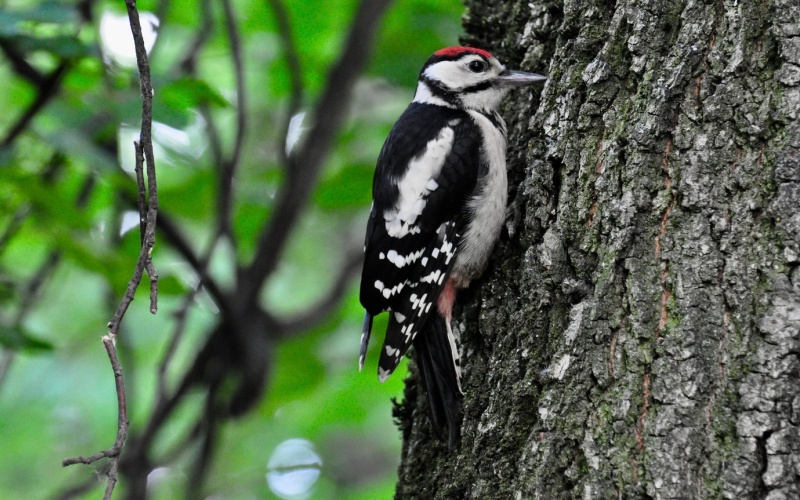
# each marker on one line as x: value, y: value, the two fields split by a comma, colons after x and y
x: 51, y: 12
x: 17, y: 339
x: 189, y: 93
x: 67, y: 47
x: 14, y: 23
x: 170, y: 285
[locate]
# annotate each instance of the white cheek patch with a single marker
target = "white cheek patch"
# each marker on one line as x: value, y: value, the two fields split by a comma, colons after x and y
x: 425, y: 96
x: 455, y: 75
x: 417, y: 183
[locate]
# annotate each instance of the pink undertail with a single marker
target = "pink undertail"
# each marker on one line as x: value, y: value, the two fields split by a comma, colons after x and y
x: 446, y: 300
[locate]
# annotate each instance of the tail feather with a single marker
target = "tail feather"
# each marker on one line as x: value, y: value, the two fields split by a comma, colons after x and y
x: 437, y: 362
x: 366, y: 331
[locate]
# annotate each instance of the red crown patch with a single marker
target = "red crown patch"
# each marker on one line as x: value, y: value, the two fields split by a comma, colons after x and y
x: 457, y: 51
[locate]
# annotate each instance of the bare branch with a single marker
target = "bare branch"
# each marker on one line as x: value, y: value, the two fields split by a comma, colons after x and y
x: 209, y: 429
x: 177, y: 335
x: 146, y: 141
x: 181, y: 316
x: 141, y: 191
x: 322, y: 309
x: 21, y: 67
x: 122, y: 422
x: 229, y: 166
x: 31, y: 294
x: 47, y: 90
x: 47, y: 86
x: 295, y: 72
x: 305, y: 166
x: 189, y: 62
x: 144, y: 152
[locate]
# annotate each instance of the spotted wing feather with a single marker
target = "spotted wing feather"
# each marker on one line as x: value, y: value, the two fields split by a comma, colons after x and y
x: 424, y: 175
x: 408, y: 315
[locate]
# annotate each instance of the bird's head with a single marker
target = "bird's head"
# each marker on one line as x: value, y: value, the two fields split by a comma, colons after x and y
x: 468, y: 78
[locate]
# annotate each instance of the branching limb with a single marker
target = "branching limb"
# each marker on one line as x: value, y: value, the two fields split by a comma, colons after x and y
x: 323, y: 308
x: 229, y: 166
x: 47, y: 86
x: 189, y: 62
x: 47, y: 90
x: 144, y: 153
x: 21, y: 67
x: 122, y: 423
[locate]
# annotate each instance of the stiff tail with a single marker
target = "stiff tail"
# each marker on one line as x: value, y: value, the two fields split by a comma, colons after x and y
x: 437, y: 361
x: 366, y: 331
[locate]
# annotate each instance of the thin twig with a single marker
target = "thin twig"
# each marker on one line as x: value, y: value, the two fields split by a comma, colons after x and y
x: 146, y: 141
x: 144, y: 153
x: 208, y: 437
x: 141, y: 202
x: 122, y: 422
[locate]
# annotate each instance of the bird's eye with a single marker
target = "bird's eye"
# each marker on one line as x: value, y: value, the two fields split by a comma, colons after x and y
x: 478, y: 66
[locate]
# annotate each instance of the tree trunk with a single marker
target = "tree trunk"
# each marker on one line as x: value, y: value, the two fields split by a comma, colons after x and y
x: 637, y: 333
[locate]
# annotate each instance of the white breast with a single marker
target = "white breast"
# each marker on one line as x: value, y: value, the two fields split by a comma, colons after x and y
x: 487, y: 206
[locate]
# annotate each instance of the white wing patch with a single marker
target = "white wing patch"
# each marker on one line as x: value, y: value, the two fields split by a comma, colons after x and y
x: 417, y: 183
x: 403, y: 260
x: 410, y: 314
x: 388, y: 292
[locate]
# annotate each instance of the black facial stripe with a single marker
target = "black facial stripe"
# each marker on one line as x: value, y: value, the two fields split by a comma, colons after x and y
x: 438, y: 91
x: 476, y: 88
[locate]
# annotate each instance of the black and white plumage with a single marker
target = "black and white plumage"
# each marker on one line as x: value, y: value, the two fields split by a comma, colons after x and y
x: 439, y: 200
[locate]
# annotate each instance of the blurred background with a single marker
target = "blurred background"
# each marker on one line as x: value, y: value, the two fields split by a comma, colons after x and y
x: 70, y: 108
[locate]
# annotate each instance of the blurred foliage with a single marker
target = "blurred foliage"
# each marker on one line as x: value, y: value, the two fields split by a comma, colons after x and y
x: 68, y: 248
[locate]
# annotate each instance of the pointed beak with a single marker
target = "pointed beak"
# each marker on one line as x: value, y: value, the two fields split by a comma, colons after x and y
x: 510, y: 78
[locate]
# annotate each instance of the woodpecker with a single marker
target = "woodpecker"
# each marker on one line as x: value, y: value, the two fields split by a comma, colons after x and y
x: 439, y: 201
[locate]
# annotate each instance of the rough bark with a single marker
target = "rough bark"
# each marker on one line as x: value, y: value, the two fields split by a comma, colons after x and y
x: 638, y: 331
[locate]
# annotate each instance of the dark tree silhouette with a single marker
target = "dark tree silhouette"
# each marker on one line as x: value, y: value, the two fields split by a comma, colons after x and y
x: 231, y: 368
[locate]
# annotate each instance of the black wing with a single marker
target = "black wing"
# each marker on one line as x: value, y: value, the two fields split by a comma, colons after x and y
x: 409, y: 252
